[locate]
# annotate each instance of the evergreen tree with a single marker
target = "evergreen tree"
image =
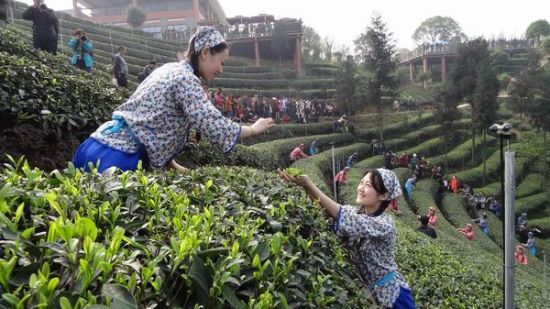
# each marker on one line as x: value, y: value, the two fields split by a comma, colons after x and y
x: 485, y: 103
x: 464, y: 76
x: 447, y: 115
x: 377, y: 52
x: 531, y: 97
x: 346, y: 81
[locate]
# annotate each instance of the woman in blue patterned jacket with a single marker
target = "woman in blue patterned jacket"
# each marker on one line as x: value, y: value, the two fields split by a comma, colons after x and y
x: 153, y: 124
x: 370, y: 231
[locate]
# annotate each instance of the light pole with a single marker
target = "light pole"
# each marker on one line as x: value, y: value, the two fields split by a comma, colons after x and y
x: 334, y: 174
x: 544, y: 270
x: 503, y: 132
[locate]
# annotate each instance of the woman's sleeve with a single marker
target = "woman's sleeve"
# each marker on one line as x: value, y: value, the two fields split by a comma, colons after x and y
x: 203, y: 116
x: 72, y: 43
x: 350, y: 223
x: 89, y: 46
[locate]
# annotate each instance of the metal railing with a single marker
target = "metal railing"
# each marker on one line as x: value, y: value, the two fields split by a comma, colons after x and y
x: 450, y: 49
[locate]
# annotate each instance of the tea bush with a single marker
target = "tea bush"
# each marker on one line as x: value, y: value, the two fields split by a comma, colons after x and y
x: 285, y: 131
x: 319, y: 166
x: 473, y: 177
x: 216, y: 237
x: 460, y: 156
x: 279, y: 150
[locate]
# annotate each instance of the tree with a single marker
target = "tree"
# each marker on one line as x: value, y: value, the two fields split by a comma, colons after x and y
x: 537, y: 30
x: 471, y: 57
x: 531, y: 94
x: 135, y: 17
x: 485, y: 104
x: 499, y: 58
x: 311, y: 44
x: 545, y: 47
x: 341, y: 53
x: 438, y: 29
x: 346, y: 84
x: 447, y: 115
x: 377, y: 52
x: 327, y: 44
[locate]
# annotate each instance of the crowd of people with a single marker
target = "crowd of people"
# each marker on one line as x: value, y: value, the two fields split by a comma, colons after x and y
x: 475, y: 202
x: 281, y: 109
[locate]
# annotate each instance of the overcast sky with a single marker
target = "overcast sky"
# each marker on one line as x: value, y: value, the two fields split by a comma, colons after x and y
x: 344, y: 20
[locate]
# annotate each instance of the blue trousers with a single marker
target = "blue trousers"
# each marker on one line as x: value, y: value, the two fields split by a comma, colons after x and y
x: 92, y: 151
x: 404, y: 300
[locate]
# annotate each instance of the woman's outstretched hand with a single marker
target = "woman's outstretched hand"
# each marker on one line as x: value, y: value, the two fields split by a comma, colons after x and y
x: 261, y: 125
x: 302, y: 180
x: 175, y: 166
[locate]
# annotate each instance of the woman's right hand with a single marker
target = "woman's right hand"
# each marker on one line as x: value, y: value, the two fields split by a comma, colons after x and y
x: 302, y: 180
x: 261, y: 125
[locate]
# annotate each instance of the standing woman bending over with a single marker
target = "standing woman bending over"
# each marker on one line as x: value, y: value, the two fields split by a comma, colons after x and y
x: 372, y: 232
x: 153, y: 124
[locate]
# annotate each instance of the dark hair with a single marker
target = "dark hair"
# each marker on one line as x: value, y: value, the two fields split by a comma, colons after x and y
x: 152, y: 62
x: 79, y: 31
x: 378, y: 185
x: 193, y: 56
x: 121, y: 48
x: 424, y: 219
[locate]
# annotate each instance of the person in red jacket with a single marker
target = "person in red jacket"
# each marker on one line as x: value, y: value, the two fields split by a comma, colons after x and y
x: 298, y: 153
x: 454, y: 184
x: 468, y: 231
x: 520, y: 256
x: 341, y: 178
x: 432, y: 217
x: 404, y: 160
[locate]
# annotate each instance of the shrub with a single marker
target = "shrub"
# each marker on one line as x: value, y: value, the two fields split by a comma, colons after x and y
x: 535, y: 205
x: 215, y: 237
x: 293, y: 130
x: 279, y: 150
x: 530, y: 185
x: 461, y: 154
x: 320, y: 165
x: 473, y: 177
x: 543, y: 224
x: 205, y: 153
x: 260, y: 76
x: 395, y: 129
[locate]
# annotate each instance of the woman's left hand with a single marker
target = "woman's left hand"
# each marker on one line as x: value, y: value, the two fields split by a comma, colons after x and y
x: 302, y: 180
x: 261, y: 125
x: 175, y: 166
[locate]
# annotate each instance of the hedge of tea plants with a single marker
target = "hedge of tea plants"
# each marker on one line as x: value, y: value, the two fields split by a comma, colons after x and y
x: 215, y: 237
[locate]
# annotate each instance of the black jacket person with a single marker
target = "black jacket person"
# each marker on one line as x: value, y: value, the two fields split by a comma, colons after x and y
x: 3, y: 13
x: 45, y: 28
